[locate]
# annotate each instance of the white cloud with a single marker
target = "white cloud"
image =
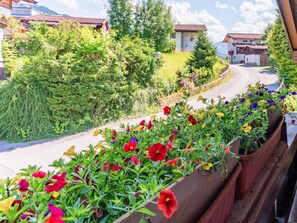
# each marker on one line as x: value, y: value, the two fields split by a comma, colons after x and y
x: 233, y: 8
x: 72, y: 4
x: 182, y: 13
x: 257, y: 15
x: 221, y: 5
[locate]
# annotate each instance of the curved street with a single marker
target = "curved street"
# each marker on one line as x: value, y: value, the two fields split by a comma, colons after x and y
x: 14, y: 156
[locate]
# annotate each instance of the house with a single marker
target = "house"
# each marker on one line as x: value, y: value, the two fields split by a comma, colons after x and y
x: 6, y: 6
x: 256, y: 55
x: 22, y: 10
x: 242, y: 44
x: 186, y: 36
x: 54, y: 20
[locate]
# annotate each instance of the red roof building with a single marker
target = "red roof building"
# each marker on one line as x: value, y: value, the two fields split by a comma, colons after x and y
x: 186, y: 36
x: 8, y: 3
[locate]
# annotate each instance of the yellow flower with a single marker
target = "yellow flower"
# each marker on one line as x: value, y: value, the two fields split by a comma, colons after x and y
x: 212, y: 111
x: 248, y: 103
x: 6, y: 204
x: 139, y: 128
x: 70, y: 152
x: 55, y: 194
x: 206, y: 166
x: 153, y: 117
x: 200, y: 98
x: 245, y: 124
x: 251, y: 88
x: 98, y: 146
x: 96, y: 132
x: 265, y: 110
x: 2, y: 181
x: 247, y: 129
x: 16, y: 179
x: 261, y: 102
x: 220, y: 114
x: 186, y: 109
x: 201, y: 115
x: 203, y: 126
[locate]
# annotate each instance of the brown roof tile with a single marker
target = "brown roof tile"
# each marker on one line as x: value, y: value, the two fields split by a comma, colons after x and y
x: 50, y: 19
x: 189, y: 28
x: 250, y: 36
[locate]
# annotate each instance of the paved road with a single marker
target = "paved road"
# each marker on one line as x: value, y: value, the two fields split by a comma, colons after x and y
x: 19, y: 155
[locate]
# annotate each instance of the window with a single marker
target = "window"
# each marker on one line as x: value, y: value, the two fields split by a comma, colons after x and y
x: 245, y: 41
x: 173, y: 36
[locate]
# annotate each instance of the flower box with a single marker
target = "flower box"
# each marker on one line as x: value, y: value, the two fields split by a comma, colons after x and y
x: 221, y: 208
x: 253, y: 163
x: 195, y: 193
x: 274, y: 118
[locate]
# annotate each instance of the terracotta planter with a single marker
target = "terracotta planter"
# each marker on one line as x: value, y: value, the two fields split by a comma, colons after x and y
x: 274, y: 117
x: 194, y: 193
x: 253, y: 163
x: 221, y: 208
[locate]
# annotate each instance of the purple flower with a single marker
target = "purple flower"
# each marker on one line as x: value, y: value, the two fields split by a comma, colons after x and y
x: 241, y: 100
x: 271, y: 102
x: 259, y: 93
x: 250, y: 94
x: 254, y: 105
x: 293, y: 93
x: 282, y: 97
x: 287, y: 86
x: 226, y: 102
x: 134, y: 139
x: 270, y: 91
x: 113, y: 141
x: 248, y: 113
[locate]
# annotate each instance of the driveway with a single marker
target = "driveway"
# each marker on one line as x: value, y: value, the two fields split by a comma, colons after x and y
x: 15, y: 156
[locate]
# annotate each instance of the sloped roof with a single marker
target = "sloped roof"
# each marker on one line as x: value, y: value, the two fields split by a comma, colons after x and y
x: 257, y: 47
x: 249, y: 36
x: 53, y: 19
x: 189, y: 28
x: 8, y: 3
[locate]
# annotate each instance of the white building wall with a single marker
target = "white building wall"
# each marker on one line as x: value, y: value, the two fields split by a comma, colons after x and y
x: 189, y: 41
x: 252, y: 59
x: 178, y: 41
x: 5, y: 11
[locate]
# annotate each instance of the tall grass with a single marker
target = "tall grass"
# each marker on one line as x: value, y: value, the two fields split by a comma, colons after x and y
x: 23, y: 112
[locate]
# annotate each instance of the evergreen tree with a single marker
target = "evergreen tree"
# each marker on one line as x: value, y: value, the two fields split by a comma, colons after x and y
x: 204, y: 54
x: 280, y: 54
x: 120, y: 17
x: 154, y: 22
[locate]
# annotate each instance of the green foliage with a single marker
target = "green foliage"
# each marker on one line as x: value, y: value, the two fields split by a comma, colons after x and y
x: 154, y: 23
x: 171, y: 46
x: 204, y: 54
x: 88, y: 78
x: 120, y: 17
x: 24, y: 111
x: 280, y: 54
x: 139, y: 59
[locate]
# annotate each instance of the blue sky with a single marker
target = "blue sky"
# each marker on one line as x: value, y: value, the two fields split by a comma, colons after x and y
x: 220, y: 17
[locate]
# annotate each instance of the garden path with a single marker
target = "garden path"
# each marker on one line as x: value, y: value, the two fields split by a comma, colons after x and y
x: 15, y: 156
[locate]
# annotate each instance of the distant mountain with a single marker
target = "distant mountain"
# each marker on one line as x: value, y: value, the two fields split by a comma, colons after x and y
x: 45, y: 10
x: 222, y: 49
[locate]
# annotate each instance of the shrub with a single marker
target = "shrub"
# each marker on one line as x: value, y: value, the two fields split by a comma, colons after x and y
x: 171, y: 46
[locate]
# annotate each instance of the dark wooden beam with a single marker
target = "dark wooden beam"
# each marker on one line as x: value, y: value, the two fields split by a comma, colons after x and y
x: 288, y: 12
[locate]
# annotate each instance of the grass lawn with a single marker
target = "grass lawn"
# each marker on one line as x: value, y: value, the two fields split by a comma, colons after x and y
x: 172, y: 63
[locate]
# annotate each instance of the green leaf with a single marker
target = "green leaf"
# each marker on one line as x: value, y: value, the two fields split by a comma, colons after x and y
x: 177, y: 171
x: 146, y: 211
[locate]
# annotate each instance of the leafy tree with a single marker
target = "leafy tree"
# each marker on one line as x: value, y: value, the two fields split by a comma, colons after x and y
x: 204, y: 54
x: 154, y: 22
x: 120, y: 17
x: 280, y: 54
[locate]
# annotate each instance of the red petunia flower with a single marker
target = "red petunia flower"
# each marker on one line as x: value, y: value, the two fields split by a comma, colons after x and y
x: 175, y: 132
x: 150, y: 125
x: 142, y: 122
x: 17, y: 202
x: 115, y: 167
x: 192, y: 120
x: 172, y: 162
x: 39, y: 174
x: 293, y: 121
x: 157, y: 152
x: 169, y: 145
x: 56, y: 214
x: 130, y: 147
x: 114, y: 132
x: 58, y: 184
x: 167, y: 203
x: 23, y: 185
x: 135, y: 160
x: 227, y: 150
x: 30, y: 214
x: 207, y: 147
x: 76, y: 170
x: 166, y: 110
